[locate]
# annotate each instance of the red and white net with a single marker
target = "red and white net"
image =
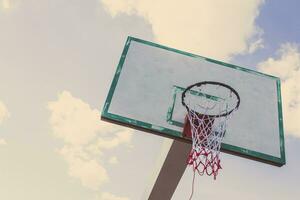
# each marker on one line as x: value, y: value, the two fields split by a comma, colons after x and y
x: 207, y: 135
x: 209, y: 107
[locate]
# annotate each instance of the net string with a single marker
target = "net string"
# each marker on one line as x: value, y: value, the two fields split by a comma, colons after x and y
x: 207, y: 135
x: 207, y: 116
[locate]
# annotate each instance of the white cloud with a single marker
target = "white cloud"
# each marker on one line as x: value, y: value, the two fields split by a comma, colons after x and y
x: 115, y: 136
x: 85, y: 138
x: 84, y: 167
x: 8, y: 5
x: 4, y: 114
x: 113, y: 160
x: 121, y: 137
x: 218, y: 29
x: 287, y: 67
x: 109, y: 196
x: 2, y: 142
x: 73, y: 120
x: 258, y: 44
x: 90, y: 173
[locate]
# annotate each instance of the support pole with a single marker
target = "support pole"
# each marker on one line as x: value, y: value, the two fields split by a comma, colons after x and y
x: 171, y: 171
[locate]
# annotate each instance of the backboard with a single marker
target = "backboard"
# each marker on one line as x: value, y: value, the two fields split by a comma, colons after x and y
x: 146, y: 92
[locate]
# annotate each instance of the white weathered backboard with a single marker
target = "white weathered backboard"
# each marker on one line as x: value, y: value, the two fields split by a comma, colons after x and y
x: 146, y: 94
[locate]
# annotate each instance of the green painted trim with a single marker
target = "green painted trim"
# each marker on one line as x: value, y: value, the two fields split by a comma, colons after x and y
x: 175, y: 123
x: 141, y: 124
x: 176, y: 134
x: 171, y: 109
x: 203, y: 58
x: 116, y: 77
x: 280, y: 122
x: 251, y: 153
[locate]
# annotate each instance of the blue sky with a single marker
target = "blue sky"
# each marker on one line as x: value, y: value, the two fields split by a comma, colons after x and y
x: 280, y: 24
x: 57, y: 60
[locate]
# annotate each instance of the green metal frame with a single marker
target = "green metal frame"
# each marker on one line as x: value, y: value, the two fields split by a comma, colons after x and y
x: 278, y: 161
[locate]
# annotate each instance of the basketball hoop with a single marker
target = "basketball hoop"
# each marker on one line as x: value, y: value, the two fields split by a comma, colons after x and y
x: 209, y: 105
